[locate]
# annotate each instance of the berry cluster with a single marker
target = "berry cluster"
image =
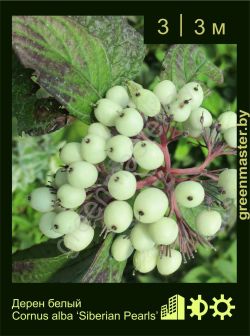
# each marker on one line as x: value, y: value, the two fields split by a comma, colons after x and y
x: 120, y: 178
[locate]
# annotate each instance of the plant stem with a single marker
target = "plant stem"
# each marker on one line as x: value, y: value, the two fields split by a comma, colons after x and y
x: 146, y: 182
x: 164, y: 148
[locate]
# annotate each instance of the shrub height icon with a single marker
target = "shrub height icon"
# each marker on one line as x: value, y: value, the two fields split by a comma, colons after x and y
x: 175, y: 310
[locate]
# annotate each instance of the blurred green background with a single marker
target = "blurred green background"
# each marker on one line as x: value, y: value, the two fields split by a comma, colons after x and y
x: 35, y: 159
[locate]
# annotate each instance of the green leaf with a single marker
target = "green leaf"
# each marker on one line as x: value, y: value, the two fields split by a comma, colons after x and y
x: 182, y: 150
x: 196, y: 275
x: 38, y: 263
x: 44, y: 250
x: 104, y: 268
x: 214, y: 103
x: 123, y: 44
x: 30, y: 114
x: 37, y: 270
x: 184, y: 63
x: 215, y: 279
x: 70, y: 64
x: 226, y: 269
x: 46, y: 263
x: 23, y: 100
x: 31, y: 159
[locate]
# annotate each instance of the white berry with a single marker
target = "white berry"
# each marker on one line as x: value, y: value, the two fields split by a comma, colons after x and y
x: 121, y: 248
x: 82, y: 174
x: 200, y: 118
x: 180, y: 110
x: 119, y: 148
x: 230, y: 136
x: 42, y: 199
x: 46, y: 225
x: 80, y: 238
x: 140, y: 237
x: 164, y: 231
x: 193, y: 93
x: 189, y: 194
x: 227, y: 120
x: 118, y: 94
x: 100, y: 130
x: 145, y: 100
x: 93, y: 148
x: 150, y: 205
x: 70, y: 197
x: 60, y: 177
x: 228, y: 181
x: 107, y: 111
x: 122, y: 185
x: 71, y: 152
x: 145, y: 261
x: 129, y: 122
x: 191, y: 131
x: 167, y: 265
x: 165, y: 91
x: 118, y: 216
x: 148, y: 155
x: 208, y: 222
x: 66, y: 222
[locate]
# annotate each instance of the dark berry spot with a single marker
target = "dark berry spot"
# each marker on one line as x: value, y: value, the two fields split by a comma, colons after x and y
x: 186, y: 101
x: 29, y: 198
x: 141, y: 213
x: 111, y: 149
x: 87, y: 140
x: 190, y: 198
x: 56, y: 226
x: 137, y: 94
x: 70, y: 170
x: 122, y: 115
x: 116, y: 179
x: 113, y: 227
x: 196, y: 88
x: 143, y: 144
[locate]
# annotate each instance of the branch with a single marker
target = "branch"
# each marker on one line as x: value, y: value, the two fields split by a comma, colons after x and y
x: 198, y: 170
x: 164, y: 148
x: 146, y: 182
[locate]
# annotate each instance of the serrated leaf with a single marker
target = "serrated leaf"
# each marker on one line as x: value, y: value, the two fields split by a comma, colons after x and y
x: 69, y: 63
x: 184, y: 63
x: 123, y: 44
x: 104, y: 268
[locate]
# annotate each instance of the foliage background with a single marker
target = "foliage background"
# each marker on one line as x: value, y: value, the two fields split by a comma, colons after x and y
x: 35, y: 159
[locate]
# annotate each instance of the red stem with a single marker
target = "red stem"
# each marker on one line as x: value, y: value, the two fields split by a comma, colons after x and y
x: 199, y: 169
x: 146, y: 182
x: 164, y: 148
